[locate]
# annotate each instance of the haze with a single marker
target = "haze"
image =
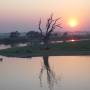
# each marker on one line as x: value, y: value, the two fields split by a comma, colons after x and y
x: 23, y: 15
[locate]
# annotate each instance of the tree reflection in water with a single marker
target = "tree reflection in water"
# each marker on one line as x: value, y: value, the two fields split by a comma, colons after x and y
x: 51, y: 77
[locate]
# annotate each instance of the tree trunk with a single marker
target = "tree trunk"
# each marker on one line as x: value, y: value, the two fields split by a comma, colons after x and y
x: 45, y: 44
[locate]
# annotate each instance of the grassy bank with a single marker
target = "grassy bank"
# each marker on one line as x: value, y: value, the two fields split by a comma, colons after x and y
x: 71, y: 48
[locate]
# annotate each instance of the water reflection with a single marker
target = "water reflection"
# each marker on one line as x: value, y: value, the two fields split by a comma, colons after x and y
x: 22, y: 74
x: 51, y: 77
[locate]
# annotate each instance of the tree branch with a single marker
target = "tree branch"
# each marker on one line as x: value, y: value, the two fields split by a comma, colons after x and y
x: 40, y: 26
x: 49, y: 22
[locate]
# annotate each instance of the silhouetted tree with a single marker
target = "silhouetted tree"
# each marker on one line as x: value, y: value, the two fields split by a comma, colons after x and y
x: 14, y: 38
x: 51, y: 25
x: 15, y: 34
x: 32, y: 36
x: 64, y: 36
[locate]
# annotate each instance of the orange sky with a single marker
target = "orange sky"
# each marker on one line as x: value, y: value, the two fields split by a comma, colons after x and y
x: 28, y: 12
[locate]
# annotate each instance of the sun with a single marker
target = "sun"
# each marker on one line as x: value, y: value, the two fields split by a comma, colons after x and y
x: 73, y: 22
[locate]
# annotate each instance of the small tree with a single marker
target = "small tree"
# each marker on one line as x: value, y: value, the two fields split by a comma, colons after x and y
x: 15, y: 34
x: 51, y: 25
x: 14, y: 38
x: 32, y: 36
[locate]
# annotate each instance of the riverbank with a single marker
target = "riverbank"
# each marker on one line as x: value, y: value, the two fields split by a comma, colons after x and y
x: 62, y: 49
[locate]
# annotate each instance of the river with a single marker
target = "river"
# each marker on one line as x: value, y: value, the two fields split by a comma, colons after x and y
x: 63, y: 73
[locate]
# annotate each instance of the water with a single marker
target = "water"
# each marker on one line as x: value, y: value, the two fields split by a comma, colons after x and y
x: 2, y: 46
x: 61, y: 73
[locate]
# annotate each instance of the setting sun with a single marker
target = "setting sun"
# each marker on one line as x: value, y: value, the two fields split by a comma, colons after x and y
x: 73, y: 22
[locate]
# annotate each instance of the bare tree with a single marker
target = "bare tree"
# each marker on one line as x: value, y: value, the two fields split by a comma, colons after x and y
x: 51, y: 25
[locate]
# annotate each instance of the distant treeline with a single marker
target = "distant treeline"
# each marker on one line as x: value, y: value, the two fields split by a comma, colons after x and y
x: 15, y: 38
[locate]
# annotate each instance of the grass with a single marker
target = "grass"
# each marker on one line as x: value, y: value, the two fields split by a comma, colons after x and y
x: 69, y: 48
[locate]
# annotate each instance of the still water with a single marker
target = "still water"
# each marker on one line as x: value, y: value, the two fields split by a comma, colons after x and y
x: 61, y: 73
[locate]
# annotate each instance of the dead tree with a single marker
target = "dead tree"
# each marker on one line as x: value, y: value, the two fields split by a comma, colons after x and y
x: 51, y: 25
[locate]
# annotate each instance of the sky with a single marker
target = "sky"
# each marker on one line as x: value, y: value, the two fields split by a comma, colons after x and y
x: 23, y: 15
